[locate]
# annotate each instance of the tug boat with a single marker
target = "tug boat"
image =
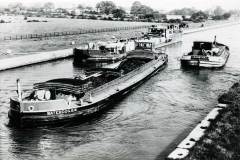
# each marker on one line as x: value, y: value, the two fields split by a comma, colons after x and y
x: 102, y: 52
x: 67, y: 99
x: 206, y: 55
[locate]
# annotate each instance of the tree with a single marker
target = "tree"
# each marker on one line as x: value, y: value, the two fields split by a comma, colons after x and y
x: 80, y: 6
x: 183, y: 11
x: 221, y: 17
x: 146, y: 10
x: 89, y: 8
x: 49, y: 6
x: 141, y: 11
x: 235, y: 12
x: 61, y: 10
x: 16, y: 7
x: 156, y: 15
x: 199, y: 16
x: 118, y: 13
x: 106, y: 7
x: 35, y: 7
x: 136, y: 6
x: 218, y: 11
x: 163, y: 16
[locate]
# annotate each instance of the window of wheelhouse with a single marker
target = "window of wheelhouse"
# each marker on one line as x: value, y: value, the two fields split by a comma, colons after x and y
x: 111, y: 50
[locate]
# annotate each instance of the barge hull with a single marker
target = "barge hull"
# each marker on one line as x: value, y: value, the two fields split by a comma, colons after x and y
x: 83, y: 113
x: 202, y: 64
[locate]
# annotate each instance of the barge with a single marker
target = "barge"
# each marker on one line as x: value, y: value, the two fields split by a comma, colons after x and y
x: 108, y: 52
x: 206, y: 55
x: 102, y: 52
x: 67, y: 99
x: 163, y: 35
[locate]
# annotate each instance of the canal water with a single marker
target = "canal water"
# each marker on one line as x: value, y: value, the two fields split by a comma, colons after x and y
x: 141, y: 126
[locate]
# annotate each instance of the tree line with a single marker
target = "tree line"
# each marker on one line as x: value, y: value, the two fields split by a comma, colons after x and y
x: 138, y: 10
x: 217, y: 13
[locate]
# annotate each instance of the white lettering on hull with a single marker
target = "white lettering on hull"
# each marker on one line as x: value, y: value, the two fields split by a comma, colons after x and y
x: 65, y: 111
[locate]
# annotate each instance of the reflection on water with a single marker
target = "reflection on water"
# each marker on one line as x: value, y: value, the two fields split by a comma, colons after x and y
x: 140, y: 126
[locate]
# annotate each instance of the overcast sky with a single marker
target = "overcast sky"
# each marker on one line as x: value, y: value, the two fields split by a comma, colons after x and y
x: 156, y: 4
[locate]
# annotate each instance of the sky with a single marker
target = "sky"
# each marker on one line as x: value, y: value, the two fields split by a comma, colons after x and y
x: 155, y: 4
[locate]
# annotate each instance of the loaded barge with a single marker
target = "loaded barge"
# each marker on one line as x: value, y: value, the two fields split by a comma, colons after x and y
x: 67, y: 99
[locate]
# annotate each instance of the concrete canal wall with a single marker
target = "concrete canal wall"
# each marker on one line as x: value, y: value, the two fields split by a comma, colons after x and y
x: 38, y: 57
x: 217, y: 135
x: 193, y: 30
x: 185, y: 147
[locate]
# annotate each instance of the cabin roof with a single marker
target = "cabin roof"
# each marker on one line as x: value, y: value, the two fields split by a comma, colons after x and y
x: 207, y: 45
x: 114, y: 45
x: 202, y: 42
x: 202, y: 45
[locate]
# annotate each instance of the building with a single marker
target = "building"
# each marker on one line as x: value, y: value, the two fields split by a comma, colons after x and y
x: 171, y: 16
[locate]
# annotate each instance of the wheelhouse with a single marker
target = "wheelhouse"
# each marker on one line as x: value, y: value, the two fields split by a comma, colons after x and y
x: 207, y: 48
x: 155, y: 30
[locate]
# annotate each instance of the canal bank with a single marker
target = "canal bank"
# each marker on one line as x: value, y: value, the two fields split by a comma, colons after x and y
x: 215, y: 26
x: 220, y: 139
x: 38, y: 57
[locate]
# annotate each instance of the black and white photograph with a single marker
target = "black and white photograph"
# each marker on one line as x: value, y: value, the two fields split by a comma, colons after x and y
x: 119, y: 80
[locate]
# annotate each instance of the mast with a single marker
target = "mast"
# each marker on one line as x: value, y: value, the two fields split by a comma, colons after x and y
x: 19, y: 91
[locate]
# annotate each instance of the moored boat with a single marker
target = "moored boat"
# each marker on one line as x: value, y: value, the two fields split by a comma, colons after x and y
x: 162, y: 35
x: 102, y: 51
x: 66, y: 99
x: 116, y: 50
x: 206, y: 54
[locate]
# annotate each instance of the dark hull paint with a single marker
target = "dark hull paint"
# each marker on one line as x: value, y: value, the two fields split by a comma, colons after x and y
x: 82, y: 114
x: 95, y: 60
x: 81, y: 57
x: 188, y: 64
